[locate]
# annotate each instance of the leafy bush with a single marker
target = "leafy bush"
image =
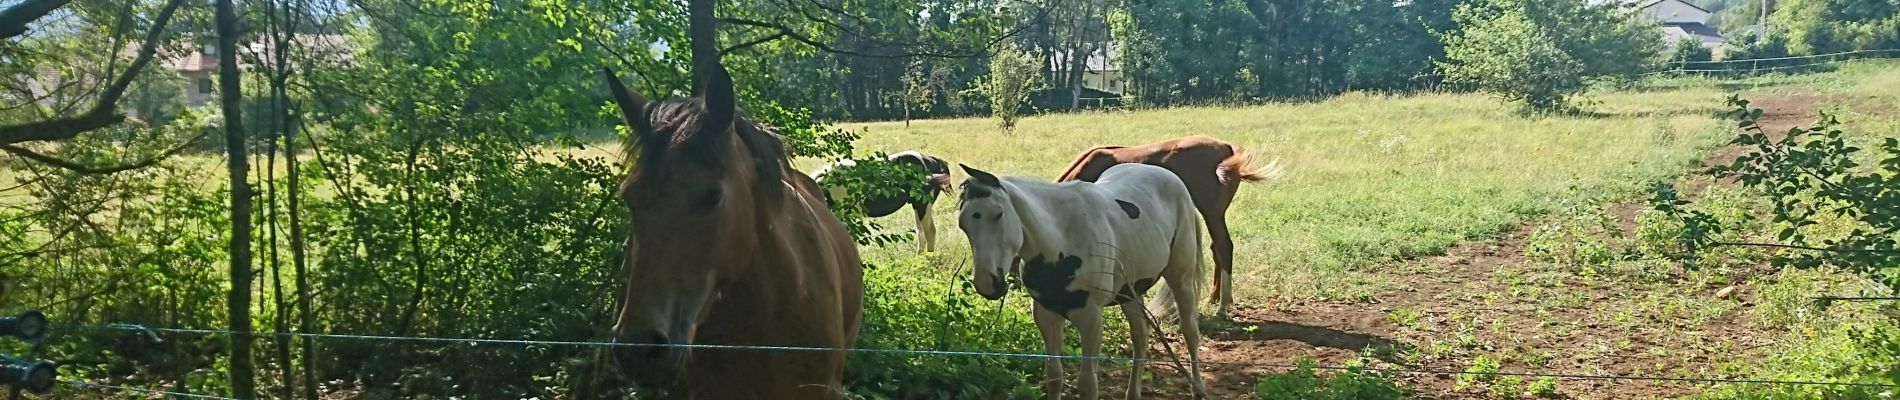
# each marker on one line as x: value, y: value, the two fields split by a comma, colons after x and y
x: 1507, y: 55
x: 1539, y: 53
x: 1830, y: 208
x: 1689, y: 50
x: 1014, y: 75
x: 910, y: 305
x: 1304, y: 382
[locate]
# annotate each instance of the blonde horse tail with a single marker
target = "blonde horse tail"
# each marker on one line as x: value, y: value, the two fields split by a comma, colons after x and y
x: 1240, y: 167
x: 1162, y: 307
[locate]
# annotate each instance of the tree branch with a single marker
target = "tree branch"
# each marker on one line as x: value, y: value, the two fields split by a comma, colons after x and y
x: 755, y: 42
x: 105, y: 110
x: 99, y: 170
x: 782, y: 31
x: 13, y: 21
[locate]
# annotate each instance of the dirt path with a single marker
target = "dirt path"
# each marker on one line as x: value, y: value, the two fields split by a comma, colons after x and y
x: 1489, y: 301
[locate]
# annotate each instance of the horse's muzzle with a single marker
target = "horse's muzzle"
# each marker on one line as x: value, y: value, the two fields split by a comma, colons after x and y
x: 649, y: 360
x: 998, y: 287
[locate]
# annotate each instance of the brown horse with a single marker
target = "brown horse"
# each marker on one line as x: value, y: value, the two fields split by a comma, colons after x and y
x: 728, y: 245
x: 1212, y: 170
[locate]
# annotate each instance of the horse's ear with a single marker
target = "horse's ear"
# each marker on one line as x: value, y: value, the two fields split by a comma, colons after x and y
x: 721, y: 104
x: 984, y: 178
x: 632, y: 106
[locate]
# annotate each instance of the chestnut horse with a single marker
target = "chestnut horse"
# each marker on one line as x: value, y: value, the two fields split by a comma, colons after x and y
x: 1212, y: 170
x: 728, y: 245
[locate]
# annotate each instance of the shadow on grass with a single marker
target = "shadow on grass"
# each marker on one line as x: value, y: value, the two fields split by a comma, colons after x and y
x: 1384, y: 349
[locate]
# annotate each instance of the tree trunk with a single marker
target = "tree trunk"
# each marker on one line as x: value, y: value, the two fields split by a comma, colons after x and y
x: 1078, y: 64
x: 238, y: 301
x: 275, y: 70
x: 306, y: 321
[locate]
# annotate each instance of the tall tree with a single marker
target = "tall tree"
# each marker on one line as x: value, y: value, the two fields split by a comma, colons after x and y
x: 243, y: 377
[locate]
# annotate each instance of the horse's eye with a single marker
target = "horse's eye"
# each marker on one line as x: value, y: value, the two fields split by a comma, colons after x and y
x: 708, y: 199
x: 977, y: 216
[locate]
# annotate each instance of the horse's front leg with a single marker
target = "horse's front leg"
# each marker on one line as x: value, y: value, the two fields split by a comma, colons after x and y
x: 1088, y: 323
x: 1050, y: 324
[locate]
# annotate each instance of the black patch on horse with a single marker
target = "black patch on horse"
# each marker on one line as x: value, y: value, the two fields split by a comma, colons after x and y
x: 1048, y: 282
x: 1133, y: 291
x: 1127, y: 207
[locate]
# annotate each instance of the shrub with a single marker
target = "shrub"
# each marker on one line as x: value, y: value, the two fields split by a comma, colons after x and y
x: 1013, y: 77
x: 1690, y: 50
x: 907, y: 306
x: 1508, y: 56
x: 1539, y: 53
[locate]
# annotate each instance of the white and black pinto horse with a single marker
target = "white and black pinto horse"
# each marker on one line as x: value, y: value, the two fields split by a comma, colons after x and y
x: 936, y: 180
x: 1087, y: 246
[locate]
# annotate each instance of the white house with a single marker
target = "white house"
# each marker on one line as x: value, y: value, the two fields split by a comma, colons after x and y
x: 1675, y: 12
x: 1682, y: 20
x: 199, y: 64
x: 1100, y: 71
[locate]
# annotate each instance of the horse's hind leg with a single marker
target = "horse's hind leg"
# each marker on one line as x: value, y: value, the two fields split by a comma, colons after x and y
x: 1216, y: 219
x: 926, y: 227
x: 1223, y: 262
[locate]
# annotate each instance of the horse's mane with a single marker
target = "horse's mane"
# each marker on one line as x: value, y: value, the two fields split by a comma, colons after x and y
x: 682, y: 118
x: 970, y: 189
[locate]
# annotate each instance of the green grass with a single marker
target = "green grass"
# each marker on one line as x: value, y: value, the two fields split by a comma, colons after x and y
x: 1368, y: 178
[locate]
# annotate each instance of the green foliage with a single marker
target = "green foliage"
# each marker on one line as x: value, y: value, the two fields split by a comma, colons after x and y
x: 156, y: 97
x: 1483, y: 370
x: 916, y: 304
x: 1811, y: 176
x: 1864, y: 353
x: 1544, y: 387
x: 1011, y: 80
x: 1829, y: 26
x: 1539, y: 53
x: 1506, y: 54
x: 1690, y: 50
x: 144, y: 246
x: 1578, y: 235
x: 868, y: 178
x: 1183, y: 52
x: 1831, y: 206
x: 1305, y: 382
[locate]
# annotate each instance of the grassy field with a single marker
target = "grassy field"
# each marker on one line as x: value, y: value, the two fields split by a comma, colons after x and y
x: 1386, y: 202
x: 1368, y: 177
x: 1400, y: 234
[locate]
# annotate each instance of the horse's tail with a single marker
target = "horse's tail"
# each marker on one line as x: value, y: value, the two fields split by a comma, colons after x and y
x: 1240, y: 166
x: 1163, y: 307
